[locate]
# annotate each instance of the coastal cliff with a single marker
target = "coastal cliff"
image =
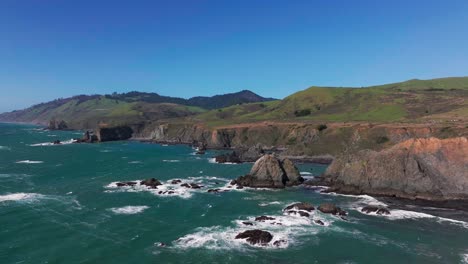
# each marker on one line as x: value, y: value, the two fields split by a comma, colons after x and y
x: 298, y: 139
x: 422, y: 168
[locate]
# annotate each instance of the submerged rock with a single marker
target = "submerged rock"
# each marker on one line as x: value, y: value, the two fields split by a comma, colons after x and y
x: 375, y: 209
x: 256, y: 236
x: 270, y: 172
x: 176, y: 181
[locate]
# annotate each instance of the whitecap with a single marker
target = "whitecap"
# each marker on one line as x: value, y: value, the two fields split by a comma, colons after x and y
x: 135, y: 162
x: 20, y: 197
x: 171, y: 160
x: 285, y: 229
x: 464, y: 258
x: 127, y: 210
x: 305, y: 173
x: 66, y: 142
x: 213, y: 160
x: 5, y: 148
x: 269, y: 203
x: 29, y: 162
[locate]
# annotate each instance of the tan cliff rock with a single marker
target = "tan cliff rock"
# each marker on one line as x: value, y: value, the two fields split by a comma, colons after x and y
x: 421, y: 168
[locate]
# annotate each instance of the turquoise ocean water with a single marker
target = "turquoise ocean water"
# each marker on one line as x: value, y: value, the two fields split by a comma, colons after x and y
x: 59, y: 204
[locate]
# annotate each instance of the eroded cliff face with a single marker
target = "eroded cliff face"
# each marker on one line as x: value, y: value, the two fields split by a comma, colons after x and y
x: 298, y: 139
x: 422, y: 168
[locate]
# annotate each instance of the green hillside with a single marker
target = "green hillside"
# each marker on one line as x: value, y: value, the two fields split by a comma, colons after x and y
x: 413, y: 100
x: 87, y: 112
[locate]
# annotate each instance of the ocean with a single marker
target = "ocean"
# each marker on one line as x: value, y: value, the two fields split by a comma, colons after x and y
x: 61, y: 204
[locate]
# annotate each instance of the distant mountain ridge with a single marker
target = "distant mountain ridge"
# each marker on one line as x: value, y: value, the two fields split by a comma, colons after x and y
x: 87, y: 111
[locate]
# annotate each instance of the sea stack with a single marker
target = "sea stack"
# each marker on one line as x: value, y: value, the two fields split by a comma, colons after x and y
x: 270, y: 172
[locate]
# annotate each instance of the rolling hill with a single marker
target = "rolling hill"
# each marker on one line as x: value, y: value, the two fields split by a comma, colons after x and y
x: 413, y: 100
x: 87, y: 111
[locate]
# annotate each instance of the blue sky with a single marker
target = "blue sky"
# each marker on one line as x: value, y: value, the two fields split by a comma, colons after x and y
x: 51, y: 49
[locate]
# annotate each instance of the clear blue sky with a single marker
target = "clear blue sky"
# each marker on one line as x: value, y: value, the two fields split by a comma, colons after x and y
x: 51, y: 49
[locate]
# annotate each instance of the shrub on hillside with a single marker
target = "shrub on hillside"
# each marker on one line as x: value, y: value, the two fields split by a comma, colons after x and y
x: 303, y: 112
x: 321, y: 127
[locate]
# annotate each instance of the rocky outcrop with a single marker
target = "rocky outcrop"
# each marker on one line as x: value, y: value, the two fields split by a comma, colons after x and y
x: 114, y: 133
x: 329, y: 208
x: 423, y: 168
x: 241, y: 155
x: 57, y: 125
x: 255, y: 236
x: 270, y: 172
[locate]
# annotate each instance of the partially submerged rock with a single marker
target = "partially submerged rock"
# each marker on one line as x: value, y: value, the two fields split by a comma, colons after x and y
x: 191, y: 185
x: 375, y: 209
x: 300, y: 206
x: 129, y: 183
x: 256, y: 236
x: 270, y: 172
x: 151, y: 183
x: 263, y: 218
x: 329, y: 208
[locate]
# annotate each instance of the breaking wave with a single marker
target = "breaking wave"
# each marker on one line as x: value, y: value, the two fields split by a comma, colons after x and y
x: 128, y: 210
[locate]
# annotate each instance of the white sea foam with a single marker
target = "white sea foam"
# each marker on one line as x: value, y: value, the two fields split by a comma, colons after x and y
x: 29, y: 162
x: 5, y: 148
x: 398, y: 214
x: 66, y: 142
x: 464, y: 258
x: 171, y: 160
x: 169, y: 189
x: 305, y: 173
x: 213, y: 160
x: 105, y: 151
x: 127, y: 210
x: 285, y: 229
x: 135, y: 162
x: 20, y: 197
x: 269, y: 203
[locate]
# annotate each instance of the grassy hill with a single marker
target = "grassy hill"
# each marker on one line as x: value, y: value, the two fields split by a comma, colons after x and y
x: 435, y: 100
x: 87, y: 111
x: 413, y: 100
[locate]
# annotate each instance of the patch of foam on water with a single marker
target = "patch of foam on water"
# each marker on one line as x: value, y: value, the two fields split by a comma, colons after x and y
x: 171, y: 161
x: 66, y: 142
x: 305, y: 173
x: 29, y: 162
x: 464, y: 258
x: 105, y: 151
x: 5, y: 148
x: 269, y: 203
x: 135, y: 162
x: 27, y: 197
x: 398, y: 214
x: 128, y: 210
x: 14, y: 175
x: 362, y: 200
x: 213, y: 160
